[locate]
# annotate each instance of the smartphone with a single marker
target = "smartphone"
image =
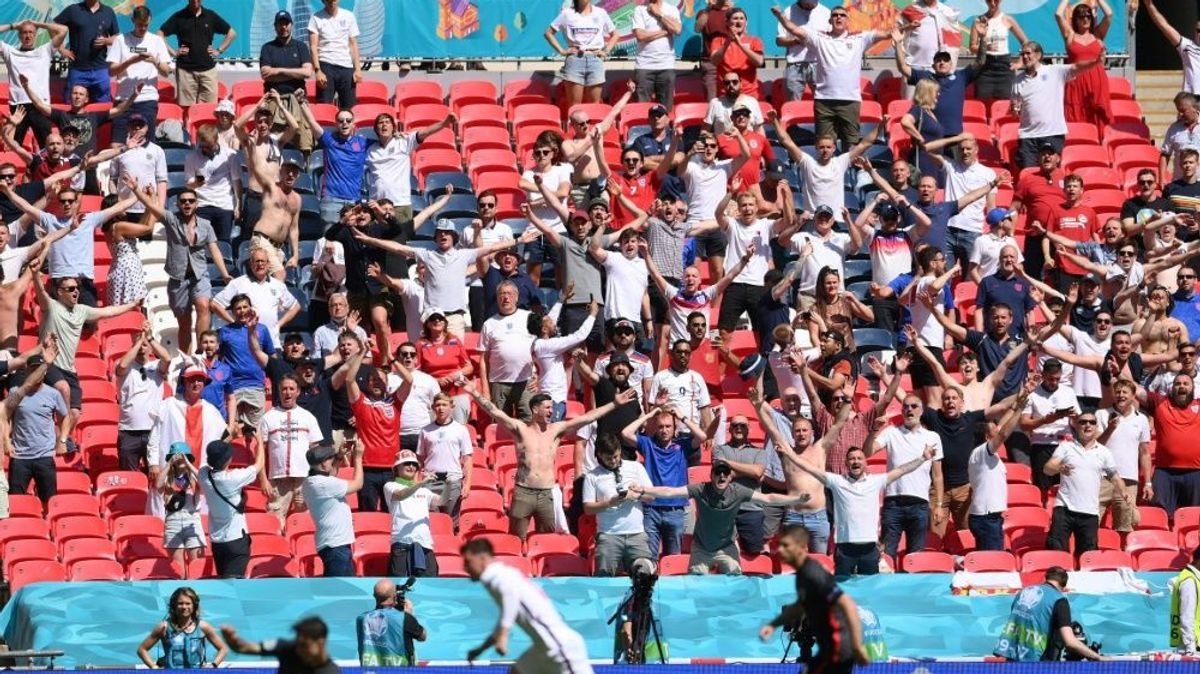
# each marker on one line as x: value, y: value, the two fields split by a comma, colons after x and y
x: 139, y: 50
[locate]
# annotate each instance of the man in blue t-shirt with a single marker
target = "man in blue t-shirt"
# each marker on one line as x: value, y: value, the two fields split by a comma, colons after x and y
x: 345, y: 154
x: 246, y: 378
x: 953, y: 84
x: 92, y: 28
x: 665, y: 454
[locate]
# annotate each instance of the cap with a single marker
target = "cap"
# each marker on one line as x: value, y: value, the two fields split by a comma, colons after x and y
x: 511, y: 250
x: 1047, y: 146
x: 314, y: 363
x: 943, y: 56
x: 997, y: 216
x: 194, y: 372
x: 721, y: 466
x: 218, y: 453
x: 751, y: 366
x: 1091, y: 278
x: 623, y: 324
x: 225, y: 106
x: 320, y: 454
x: 823, y: 210
x: 657, y: 109
x: 740, y: 107
x: 136, y: 118
x: 444, y: 225
x: 430, y: 314
x: 179, y: 448
x: 617, y: 359
x: 775, y: 170
x: 598, y: 201
x: 835, y: 335
x: 580, y: 215
x: 406, y: 456
x: 292, y: 162
x: 887, y: 210
x: 283, y: 17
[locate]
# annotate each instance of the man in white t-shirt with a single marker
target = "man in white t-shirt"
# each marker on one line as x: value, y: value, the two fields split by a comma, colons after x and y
x: 136, y: 60
x: 333, y: 45
x: 222, y: 487
x: 34, y: 63
x: 1083, y: 463
x: 823, y: 178
x: 927, y: 35
x: 820, y: 248
x: 288, y: 431
x: 389, y: 161
x: 839, y: 57
x: 985, y: 253
x: 655, y: 26
x: 801, y: 62
x: 410, y: 500
x: 325, y: 494
x: 1189, y: 51
x: 1037, y: 99
x: 445, y: 448
x: 906, y: 507
x: 685, y: 390
x: 216, y: 177
x: 1126, y: 432
x: 417, y: 411
x: 749, y: 245
x: 621, y: 542
x: 626, y: 279
x: 485, y: 230
x: 1046, y: 420
x: 506, y: 363
x: 719, y: 118
x: 707, y: 181
x: 146, y: 164
x: 140, y: 395
x: 989, y: 477
x: 964, y: 176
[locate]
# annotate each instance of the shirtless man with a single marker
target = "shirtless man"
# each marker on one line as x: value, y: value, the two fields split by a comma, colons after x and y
x: 537, y: 443
x: 260, y: 138
x: 580, y: 153
x: 1151, y: 330
x: 810, y: 515
x: 280, y: 217
x: 11, y: 294
x: 977, y: 393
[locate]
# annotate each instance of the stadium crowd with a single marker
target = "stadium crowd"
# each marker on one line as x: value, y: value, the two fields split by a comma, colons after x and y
x: 659, y: 330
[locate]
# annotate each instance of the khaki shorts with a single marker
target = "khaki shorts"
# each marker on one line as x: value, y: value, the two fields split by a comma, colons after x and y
x: 291, y: 496
x: 726, y: 560
x: 250, y: 403
x: 195, y: 86
x: 1125, y: 517
x: 304, y: 134
x: 274, y: 252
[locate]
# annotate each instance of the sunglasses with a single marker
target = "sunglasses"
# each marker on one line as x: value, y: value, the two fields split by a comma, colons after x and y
x: 631, y: 160
x: 1186, y: 277
x: 743, y: 426
x: 1187, y: 354
x: 8, y: 176
x: 711, y: 146
x: 1086, y: 422
x: 732, y: 82
x: 1103, y: 321
x: 483, y: 205
x: 407, y: 354
x: 1147, y: 182
x: 1126, y: 253
x: 844, y: 399
x: 346, y: 120
x: 71, y: 289
x: 187, y: 201
x: 543, y: 153
x: 66, y: 202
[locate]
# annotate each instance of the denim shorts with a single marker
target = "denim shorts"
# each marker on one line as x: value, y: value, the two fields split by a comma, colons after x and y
x: 587, y: 70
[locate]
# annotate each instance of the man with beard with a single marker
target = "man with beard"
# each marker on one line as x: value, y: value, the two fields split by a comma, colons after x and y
x: 1176, y: 480
x: 618, y: 373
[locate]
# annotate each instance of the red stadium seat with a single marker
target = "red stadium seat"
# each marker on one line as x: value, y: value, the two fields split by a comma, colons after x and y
x: 152, y: 569
x: 35, y: 571
x: 84, y: 526
x: 136, y: 525
x: 465, y: 93
x: 366, y: 113
x: 1024, y: 495
x: 203, y: 567
x: 1161, y: 560
x: 689, y: 114
x: 757, y: 565
x: 500, y: 182
x: 1078, y: 156
x: 481, y: 114
x: 96, y: 569
x: 1126, y: 157
x: 989, y: 560
x: 18, y: 528
x: 1119, y: 87
x: 246, y: 92
x: 418, y: 92
x: 483, y: 500
x: 1126, y: 110
x: 536, y: 113
x: 928, y: 562
x: 1151, y: 539
x: 26, y: 549
x: 1026, y: 517
x: 262, y: 524
x: 311, y: 566
x: 1187, y: 517
x: 119, y: 504
x: 439, y: 523
x: 561, y: 564
x: 521, y: 92
x: 499, y: 160
x: 265, y: 545
x: 522, y: 564
x: 272, y: 566
x: 1104, y: 560
x: 1082, y: 133
x: 504, y: 544
x: 422, y: 115
x: 372, y: 523
x: 1107, y: 539
x: 431, y: 160
x: 87, y: 548
x: 673, y: 565
x: 479, y: 138
x: 1099, y: 177
x: 24, y: 505
x: 1153, y: 517
x: 371, y: 92
x: 1018, y: 473
x: 1040, y: 560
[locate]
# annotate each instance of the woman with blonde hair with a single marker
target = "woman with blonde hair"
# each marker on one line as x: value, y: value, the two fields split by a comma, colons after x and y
x: 182, y: 636
x: 923, y: 127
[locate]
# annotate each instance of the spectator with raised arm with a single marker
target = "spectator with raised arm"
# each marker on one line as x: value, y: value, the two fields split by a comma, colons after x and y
x: 823, y: 176
x: 987, y: 474
x: 389, y: 161
x: 284, y: 64
x: 1189, y: 51
x: 30, y: 62
x: 345, y: 156
x: 140, y: 394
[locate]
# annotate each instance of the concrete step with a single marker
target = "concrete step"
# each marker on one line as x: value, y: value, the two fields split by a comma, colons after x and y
x: 1155, y: 91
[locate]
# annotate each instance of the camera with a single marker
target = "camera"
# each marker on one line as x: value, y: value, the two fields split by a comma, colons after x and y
x: 402, y: 592
x: 1082, y: 636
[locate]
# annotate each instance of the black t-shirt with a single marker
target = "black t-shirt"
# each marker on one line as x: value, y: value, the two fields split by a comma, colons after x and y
x: 817, y: 595
x: 1130, y: 208
x: 1181, y: 188
x: 277, y: 54
x: 1083, y: 316
x: 958, y: 441
x: 290, y: 663
x: 1060, y: 617
x: 86, y: 123
x: 613, y: 422
x: 30, y: 192
x: 318, y: 400
x: 359, y: 255
x: 340, y: 416
x: 196, y: 33
x: 83, y: 27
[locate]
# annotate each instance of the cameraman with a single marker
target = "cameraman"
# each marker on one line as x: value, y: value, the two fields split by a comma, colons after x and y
x: 621, y: 541
x: 1185, y: 619
x: 386, y: 633
x: 1039, y: 626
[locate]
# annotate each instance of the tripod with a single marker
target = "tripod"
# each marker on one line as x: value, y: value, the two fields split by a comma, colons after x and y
x: 637, y: 614
x: 799, y: 636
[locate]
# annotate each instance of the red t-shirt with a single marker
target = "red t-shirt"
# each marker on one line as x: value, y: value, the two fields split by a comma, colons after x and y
x: 717, y: 26
x: 760, y: 147
x: 736, y: 61
x: 440, y: 359
x: 1177, y: 430
x: 1077, y: 223
x: 1040, y: 195
x: 640, y: 190
x: 378, y: 425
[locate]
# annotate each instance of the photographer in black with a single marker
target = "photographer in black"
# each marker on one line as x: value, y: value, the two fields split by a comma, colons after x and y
x: 1040, y: 627
x: 387, y: 632
x: 829, y: 614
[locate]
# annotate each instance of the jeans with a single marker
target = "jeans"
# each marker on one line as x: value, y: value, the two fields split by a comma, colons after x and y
x: 749, y: 525
x: 338, y: 561
x: 661, y: 83
x: 959, y: 242
x: 1175, y: 488
x: 855, y: 559
x: 560, y: 411
x: 370, y: 498
x: 1066, y: 523
x: 910, y: 517
x: 339, y: 81
x: 817, y: 526
x: 98, y: 83
x: 149, y: 112
x: 41, y: 471
x: 664, y: 524
x: 330, y: 210
x: 222, y: 223
x: 40, y: 124
x: 988, y: 531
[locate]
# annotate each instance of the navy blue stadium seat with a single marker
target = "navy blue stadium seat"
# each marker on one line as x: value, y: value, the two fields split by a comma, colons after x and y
x: 176, y: 157
x: 872, y: 339
x: 460, y: 206
x: 435, y: 183
x: 857, y: 270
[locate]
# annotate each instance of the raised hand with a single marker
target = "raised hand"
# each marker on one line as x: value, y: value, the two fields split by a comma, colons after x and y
x: 625, y: 397
x: 901, y: 362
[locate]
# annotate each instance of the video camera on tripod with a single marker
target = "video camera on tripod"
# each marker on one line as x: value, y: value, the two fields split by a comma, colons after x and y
x: 637, y: 621
x: 1070, y: 656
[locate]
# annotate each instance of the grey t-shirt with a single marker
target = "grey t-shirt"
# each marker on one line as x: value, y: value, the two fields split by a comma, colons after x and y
x: 581, y: 270
x: 33, y: 429
x: 746, y: 454
x: 716, y: 513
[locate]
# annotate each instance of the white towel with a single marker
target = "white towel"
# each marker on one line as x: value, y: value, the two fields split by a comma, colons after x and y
x: 560, y: 516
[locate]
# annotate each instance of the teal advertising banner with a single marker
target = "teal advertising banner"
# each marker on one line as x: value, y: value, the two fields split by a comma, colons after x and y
x: 510, y: 29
